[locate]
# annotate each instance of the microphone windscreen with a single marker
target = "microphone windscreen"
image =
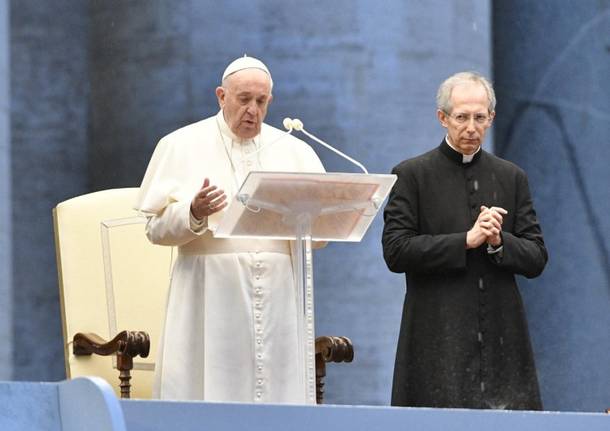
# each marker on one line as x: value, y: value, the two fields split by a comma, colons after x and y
x: 297, y: 124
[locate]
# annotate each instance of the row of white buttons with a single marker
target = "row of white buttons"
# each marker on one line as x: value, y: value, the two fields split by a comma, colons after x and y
x: 258, y: 327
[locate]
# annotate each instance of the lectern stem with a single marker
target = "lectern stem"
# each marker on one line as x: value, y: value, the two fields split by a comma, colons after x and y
x: 306, y: 305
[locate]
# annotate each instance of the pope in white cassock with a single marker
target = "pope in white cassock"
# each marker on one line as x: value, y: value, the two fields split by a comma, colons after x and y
x: 230, y: 331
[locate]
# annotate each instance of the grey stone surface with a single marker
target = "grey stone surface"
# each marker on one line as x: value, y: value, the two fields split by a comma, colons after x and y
x: 551, y: 70
x: 49, y: 90
x: 6, y: 303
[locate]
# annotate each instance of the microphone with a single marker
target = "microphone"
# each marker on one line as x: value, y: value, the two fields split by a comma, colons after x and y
x: 290, y: 125
x: 296, y: 124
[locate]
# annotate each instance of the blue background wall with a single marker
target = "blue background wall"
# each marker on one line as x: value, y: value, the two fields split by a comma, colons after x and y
x: 48, y: 149
x: 6, y: 303
x: 552, y: 70
x: 94, y: 85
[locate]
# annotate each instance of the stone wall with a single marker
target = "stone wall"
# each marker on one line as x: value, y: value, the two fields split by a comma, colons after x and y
x: 49, y: 147
x: 6, y: 303
x: 551, y: 70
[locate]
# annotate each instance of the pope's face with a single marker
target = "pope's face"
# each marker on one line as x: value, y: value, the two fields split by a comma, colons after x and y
x: 244, y: 99
x: 469, y: 118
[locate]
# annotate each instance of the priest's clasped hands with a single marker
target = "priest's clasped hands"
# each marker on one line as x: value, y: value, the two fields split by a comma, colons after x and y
x: 208, y: 200
x: 487, y: 228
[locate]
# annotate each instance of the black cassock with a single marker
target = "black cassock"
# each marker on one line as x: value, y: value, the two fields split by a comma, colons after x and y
x: 463, y: 337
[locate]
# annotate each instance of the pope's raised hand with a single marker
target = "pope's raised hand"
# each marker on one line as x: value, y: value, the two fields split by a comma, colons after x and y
x: 208, y: 200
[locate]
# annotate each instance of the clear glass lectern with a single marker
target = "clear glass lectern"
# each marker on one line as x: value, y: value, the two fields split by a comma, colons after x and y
x: 305, y: 207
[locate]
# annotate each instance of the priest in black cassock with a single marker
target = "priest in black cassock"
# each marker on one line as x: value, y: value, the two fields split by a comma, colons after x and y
x: 460, y: 223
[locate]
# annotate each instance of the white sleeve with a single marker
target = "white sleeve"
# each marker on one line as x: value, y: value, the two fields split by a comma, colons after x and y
x: 173, y: 225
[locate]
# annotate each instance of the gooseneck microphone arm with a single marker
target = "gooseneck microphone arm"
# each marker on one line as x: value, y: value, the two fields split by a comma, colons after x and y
x: 288, y: 132
x: 296, y: 124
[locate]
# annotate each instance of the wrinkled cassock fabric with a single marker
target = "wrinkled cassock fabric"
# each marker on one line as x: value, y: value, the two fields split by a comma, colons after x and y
x: 463, y: 338
x: 230, y: 331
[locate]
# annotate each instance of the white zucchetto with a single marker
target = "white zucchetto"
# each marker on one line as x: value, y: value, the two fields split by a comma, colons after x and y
x: 246, y: 62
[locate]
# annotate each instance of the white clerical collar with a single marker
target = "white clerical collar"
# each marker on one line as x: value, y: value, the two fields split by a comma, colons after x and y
x: 226, y: 130
x: 466, y: 158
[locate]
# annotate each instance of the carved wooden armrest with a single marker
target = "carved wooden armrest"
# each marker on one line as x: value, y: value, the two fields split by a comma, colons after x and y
x: 330, y: 349
x: 126, y: 345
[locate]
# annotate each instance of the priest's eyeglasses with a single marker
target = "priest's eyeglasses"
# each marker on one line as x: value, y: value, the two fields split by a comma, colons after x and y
x: 463, y: 118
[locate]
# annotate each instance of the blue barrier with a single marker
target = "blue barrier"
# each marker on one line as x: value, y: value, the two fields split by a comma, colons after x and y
x: 90, y: 404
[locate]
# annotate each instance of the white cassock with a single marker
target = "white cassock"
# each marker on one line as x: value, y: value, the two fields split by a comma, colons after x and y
x: 230, y: 331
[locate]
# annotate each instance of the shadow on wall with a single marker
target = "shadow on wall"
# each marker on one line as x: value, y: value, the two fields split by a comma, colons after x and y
x: 559, y: 135
x: 532, y: 110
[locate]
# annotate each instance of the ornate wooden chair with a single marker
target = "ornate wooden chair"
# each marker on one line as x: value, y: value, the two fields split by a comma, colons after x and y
x: 112, y: 278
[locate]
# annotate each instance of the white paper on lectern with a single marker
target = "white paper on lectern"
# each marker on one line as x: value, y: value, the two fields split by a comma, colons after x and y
x: 342, y: 206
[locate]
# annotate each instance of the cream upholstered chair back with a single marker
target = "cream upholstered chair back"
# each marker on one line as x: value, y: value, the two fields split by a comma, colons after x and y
x: 111, y: 278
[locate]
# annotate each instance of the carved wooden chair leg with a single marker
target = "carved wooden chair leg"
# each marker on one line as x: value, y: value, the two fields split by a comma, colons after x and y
x: 330, y: 349
x: 126, y: 345
x: 320, y: 374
